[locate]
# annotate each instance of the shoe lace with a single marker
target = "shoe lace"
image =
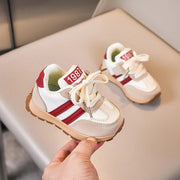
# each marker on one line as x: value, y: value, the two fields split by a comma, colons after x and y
x: 134, y: 65
x: 86, y: 91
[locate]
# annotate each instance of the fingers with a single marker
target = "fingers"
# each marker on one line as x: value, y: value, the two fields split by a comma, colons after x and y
x: 99, y: 145
x: 86, y: 147
x: 64, y: 152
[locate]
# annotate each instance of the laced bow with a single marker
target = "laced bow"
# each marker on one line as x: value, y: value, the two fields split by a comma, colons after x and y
x: 134, y: 65
x: 86, y: 91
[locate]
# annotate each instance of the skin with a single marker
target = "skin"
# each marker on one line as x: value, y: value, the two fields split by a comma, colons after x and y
x: 72, y: 162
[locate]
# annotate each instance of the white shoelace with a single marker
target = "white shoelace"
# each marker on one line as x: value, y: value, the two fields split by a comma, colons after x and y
x: 86, y: 91
x: 134, y: 65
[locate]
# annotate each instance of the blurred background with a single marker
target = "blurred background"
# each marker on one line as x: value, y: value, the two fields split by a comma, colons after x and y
x: 23, y: 21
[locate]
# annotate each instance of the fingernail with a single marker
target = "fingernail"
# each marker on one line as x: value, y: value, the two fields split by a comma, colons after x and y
x: 91, y: 139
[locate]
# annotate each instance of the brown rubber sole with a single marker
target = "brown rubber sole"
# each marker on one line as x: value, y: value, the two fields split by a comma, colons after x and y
x: 44, y: 116
x: 117, y: 83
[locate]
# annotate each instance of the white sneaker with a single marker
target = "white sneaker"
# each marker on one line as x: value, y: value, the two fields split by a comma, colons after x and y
x: 124, y: 68
x: 71, y: 102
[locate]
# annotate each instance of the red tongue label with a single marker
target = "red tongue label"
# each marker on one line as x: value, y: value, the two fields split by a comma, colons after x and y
x: 73, y: 76
x: 127, y: 56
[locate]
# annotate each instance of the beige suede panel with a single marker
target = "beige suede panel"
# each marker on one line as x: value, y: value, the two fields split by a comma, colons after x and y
x: 37, y: 99
x: 119, y: 69
x: 141, y: 95
x: 103, y: 65
x: 141, y: 77
x: 95, y: 107
x: 91, y: 128
x: 65, y: 93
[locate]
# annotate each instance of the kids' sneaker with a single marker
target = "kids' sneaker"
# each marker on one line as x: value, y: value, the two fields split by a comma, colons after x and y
x: 124, y: 68
x: 71, y: 101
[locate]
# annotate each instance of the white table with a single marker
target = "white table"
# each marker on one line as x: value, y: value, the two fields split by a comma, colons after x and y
x: 148, y: 147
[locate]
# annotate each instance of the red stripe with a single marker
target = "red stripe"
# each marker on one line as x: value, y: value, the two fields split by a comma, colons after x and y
x: 73, y: 76
x: 105, y: 56
x: 126, y: 80
x: 116, y: 76
x: 128, y: 55
x: 73, y: 116
x: 39, y: 80
x: 62, y: 108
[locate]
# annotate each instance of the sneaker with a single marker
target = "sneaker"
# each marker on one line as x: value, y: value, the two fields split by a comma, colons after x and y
x: 71, y: 101
x: 124, y: 68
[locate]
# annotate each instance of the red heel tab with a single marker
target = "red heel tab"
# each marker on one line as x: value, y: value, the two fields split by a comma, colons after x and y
x: 105, y: 56
x: 39, y: 80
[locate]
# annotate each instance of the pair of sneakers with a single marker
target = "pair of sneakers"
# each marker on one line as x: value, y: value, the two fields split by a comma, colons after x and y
x: 71, y: 101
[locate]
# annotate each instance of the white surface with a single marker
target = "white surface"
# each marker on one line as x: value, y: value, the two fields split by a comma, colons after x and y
x: 148, y: 147
x: 160, y: 16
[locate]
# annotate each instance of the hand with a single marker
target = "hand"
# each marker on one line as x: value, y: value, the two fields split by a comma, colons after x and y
x: 72, y: 162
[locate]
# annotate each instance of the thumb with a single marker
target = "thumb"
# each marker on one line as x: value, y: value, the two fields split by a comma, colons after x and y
x: 86, y: 147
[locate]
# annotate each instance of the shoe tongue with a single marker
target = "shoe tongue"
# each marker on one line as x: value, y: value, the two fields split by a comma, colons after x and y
x: 125, y: 55
x: 74, y: 76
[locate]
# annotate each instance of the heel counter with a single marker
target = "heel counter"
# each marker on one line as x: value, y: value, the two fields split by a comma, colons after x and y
x: 37, y: 98
x: 104, y: 65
